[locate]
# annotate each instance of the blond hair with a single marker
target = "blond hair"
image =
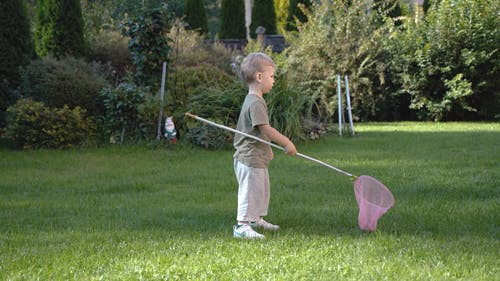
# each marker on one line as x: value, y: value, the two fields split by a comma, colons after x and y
x: 254, y: 63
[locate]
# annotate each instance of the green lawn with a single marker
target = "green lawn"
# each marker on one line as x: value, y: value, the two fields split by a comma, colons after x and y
x: 141, y: 213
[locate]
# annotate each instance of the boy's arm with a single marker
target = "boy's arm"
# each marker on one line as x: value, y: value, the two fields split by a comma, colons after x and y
x: 278, y: 138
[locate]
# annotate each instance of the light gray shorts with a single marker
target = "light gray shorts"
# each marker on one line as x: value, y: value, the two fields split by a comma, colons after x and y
x: 253, y: 192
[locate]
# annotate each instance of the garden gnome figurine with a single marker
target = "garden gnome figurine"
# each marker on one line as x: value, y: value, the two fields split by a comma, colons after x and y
x: 170, y: 132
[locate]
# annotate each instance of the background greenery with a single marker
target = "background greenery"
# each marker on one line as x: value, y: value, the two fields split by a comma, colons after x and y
x: 137, y: 212
x: 404, y: 61
x: 59, y: 29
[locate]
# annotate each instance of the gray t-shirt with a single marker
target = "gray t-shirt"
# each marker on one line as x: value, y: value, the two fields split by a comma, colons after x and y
x: 249, y: 151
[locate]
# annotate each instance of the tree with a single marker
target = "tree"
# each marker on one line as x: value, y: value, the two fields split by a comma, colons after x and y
x: 59, y: 28
x: 232, y: 19
x: 263, y: 15
x: 196, y: 15
x: 17, y: 48
x: 148, y: 43
x: 281, y: 11
x: 295, y: 13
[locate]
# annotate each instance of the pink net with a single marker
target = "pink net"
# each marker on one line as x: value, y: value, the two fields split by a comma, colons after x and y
x: 374, y: 199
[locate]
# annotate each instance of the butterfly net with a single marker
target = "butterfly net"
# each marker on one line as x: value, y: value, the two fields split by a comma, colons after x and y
x: 374, y: 199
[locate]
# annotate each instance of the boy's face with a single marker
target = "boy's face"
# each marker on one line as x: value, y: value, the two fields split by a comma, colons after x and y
x: 266, y: 78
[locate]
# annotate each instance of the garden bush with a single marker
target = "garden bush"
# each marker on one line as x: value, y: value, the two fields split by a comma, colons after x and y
x: 339, y: 37
x: 449, y: 62
x: 191, y: 49
x: 130, y: 113
x: 295, y: 13
x: 208, y: 137
x: 68, y: 81
x: 218, y: 104
x: 32, y: 124
x: 111, y: 47
x: 187, y: 79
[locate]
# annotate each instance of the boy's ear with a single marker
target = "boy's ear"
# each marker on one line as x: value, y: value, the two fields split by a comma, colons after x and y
x: 258, y: 76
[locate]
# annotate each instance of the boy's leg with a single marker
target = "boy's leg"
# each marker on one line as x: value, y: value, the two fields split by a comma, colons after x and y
x: 253, y: 192
x: 248, y: 196
x: 264, y: 206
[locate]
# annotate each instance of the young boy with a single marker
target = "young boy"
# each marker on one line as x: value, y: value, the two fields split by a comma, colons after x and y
x: 252, y: 157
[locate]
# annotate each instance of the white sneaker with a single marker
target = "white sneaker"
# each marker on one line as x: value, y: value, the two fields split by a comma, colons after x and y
x: 245, y: 231
x: 264, y: 225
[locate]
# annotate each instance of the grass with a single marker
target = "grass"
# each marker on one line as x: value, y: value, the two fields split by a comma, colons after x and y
x: 138, y: 213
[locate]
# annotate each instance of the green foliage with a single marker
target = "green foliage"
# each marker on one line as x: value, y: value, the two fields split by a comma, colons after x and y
x: 196, y: 15
x: 339, y: 37
x: 449, y: 63
x: 32, y: 124
x: 295, y: 13
x: 137, y: 213
x: 110, y: 47
x: 195, y: 66
x: 213, y: 16
x: 192, y: 48
x: 148, y: 43
x: 200, y: 81
x: 263, y: 14
x: 281, y: 12
x: 232, y: 20
x: 59, y: 28
x: 124, y: 109
x: 223, y: 105
x: 286, y: 104
x: 186, y: 79
x: 17, y: 49
x: 68, y: 81
x: 208, y: 137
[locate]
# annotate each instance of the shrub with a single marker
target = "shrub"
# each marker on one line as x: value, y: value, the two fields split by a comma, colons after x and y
x: 191, y: 48
x: 295, y: 13
x: 339, y: 37
x: 59, y: 28
x: 32, y: 124
x: 124, y: 106
x: 222, y: 104
x: 185, y: 81
x: 449, y: 63
x: 68, y: 81
x: 285, y: 102
x: 219, y: 105
x: 281, y: 11
x: 111, y: 47
x: 207, y: 136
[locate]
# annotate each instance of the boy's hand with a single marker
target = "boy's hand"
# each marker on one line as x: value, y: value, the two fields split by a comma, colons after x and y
x: 290, y: 149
